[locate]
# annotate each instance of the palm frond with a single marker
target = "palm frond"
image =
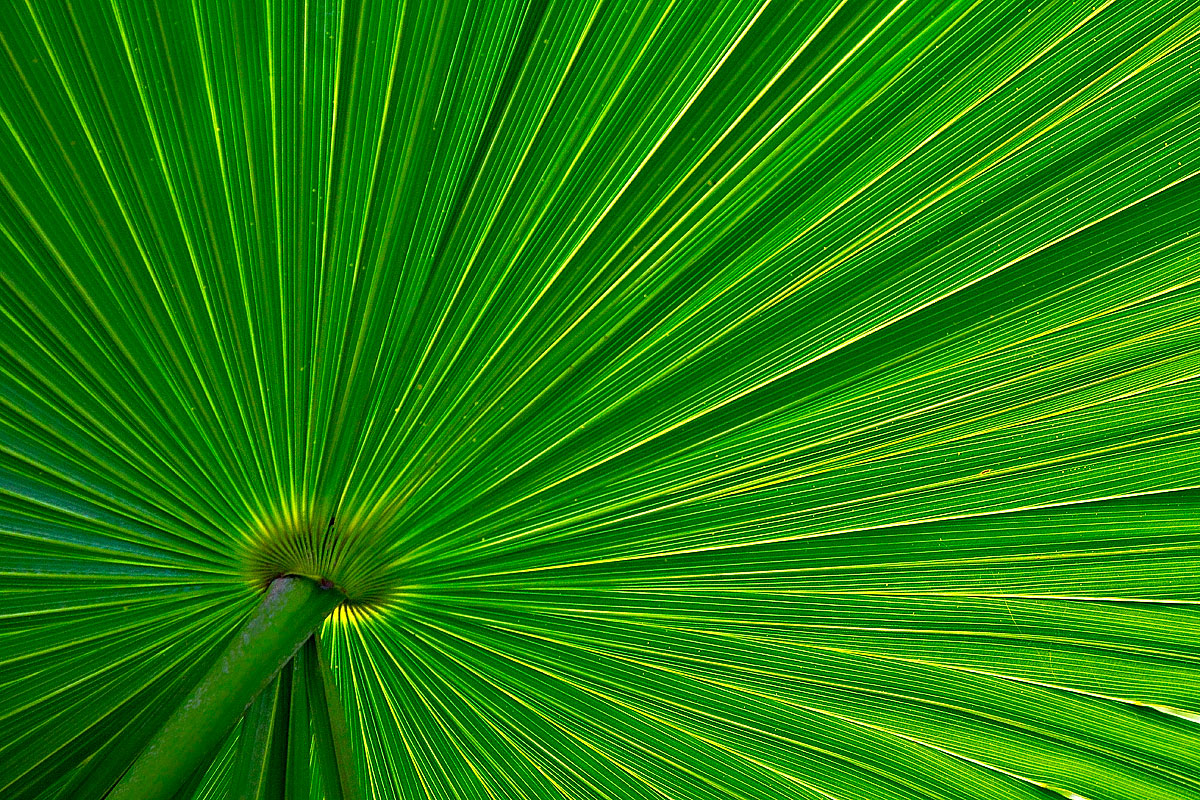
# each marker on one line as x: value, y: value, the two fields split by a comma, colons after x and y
x: 693, y: 400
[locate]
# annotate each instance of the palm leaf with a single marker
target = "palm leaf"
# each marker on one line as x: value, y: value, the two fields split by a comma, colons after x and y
x: 694, y: 400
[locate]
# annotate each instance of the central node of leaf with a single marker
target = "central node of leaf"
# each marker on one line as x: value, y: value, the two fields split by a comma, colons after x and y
x: 351, y: 555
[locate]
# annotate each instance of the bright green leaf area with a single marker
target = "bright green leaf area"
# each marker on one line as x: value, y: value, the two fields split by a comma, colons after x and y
x: 694, y: 400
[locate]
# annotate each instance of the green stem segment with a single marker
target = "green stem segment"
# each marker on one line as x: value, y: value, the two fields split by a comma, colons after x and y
x: 330, y: 738
x: 287, y: 616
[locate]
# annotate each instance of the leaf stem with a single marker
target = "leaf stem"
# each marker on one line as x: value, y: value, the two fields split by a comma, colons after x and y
x: 330, y: 740
x: 287, y: 616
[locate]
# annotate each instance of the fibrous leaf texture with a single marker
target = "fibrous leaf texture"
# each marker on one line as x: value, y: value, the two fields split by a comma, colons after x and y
x: 693, y: 400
